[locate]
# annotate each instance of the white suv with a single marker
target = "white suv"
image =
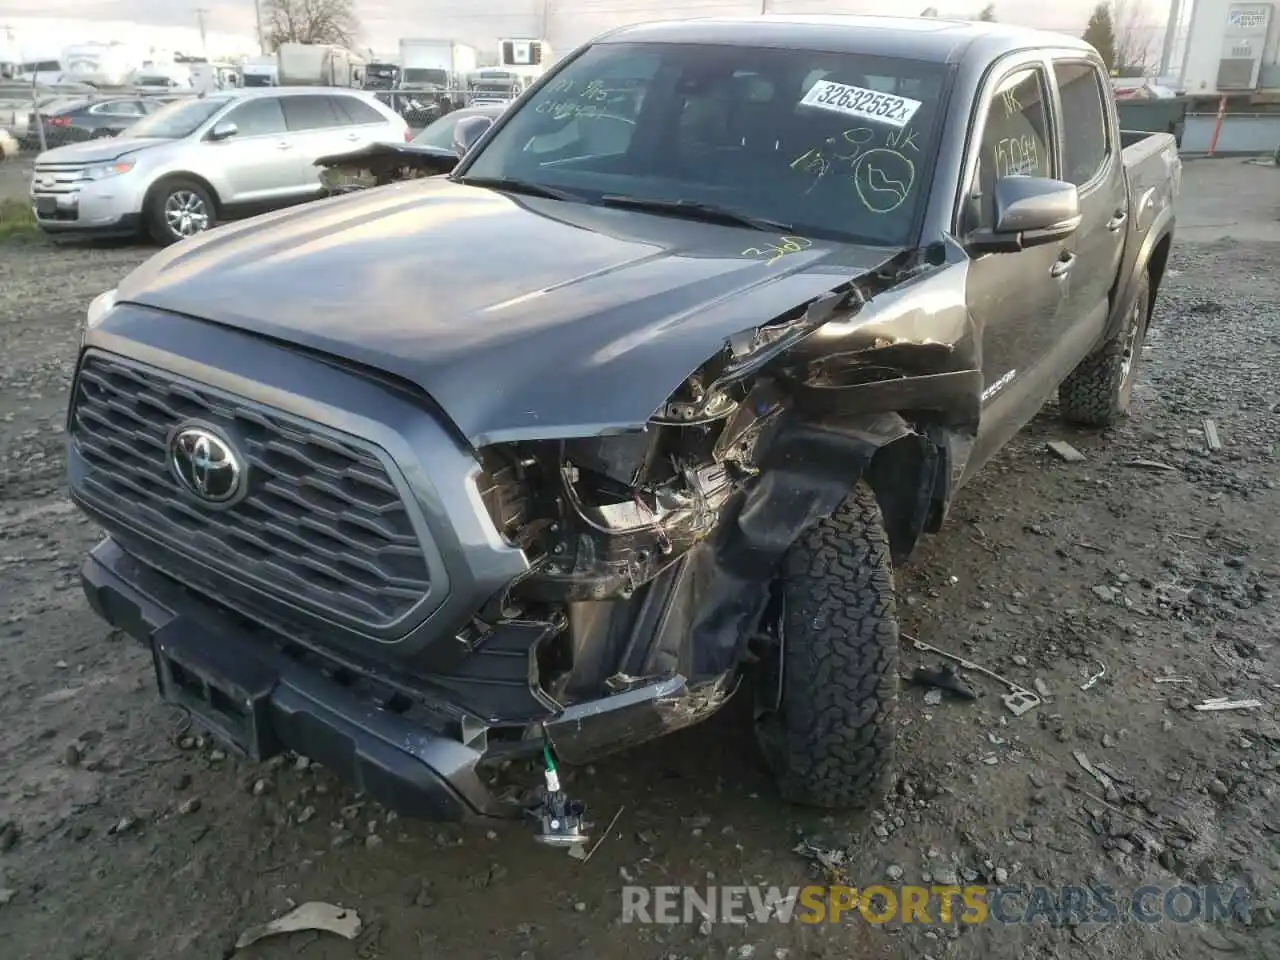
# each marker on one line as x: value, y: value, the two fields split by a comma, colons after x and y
x: 197, y: 161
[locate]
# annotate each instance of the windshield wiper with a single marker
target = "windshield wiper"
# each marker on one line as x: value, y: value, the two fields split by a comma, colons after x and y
x: 693, y: 210
x: 518, y: 186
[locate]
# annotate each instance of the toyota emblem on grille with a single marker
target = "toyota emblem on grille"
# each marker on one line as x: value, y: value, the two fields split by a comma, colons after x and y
x: 206, y: 464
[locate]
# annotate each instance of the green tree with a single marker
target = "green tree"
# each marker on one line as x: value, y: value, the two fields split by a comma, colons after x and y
x: 309, y: 21
x: 1101, y: 33
x: 988, y: 13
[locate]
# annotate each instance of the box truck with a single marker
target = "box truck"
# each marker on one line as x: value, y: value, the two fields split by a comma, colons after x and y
x: 318, y: 64
x: 436, y: 65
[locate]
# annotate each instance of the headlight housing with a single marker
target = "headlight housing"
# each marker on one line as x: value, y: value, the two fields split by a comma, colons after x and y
x: 104, y: 171
x: 100, y: 307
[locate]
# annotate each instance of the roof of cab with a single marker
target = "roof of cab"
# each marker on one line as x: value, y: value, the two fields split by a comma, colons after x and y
x: 916, y: 38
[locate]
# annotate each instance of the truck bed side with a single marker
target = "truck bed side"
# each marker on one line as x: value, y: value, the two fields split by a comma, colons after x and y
x: 1153, y: 178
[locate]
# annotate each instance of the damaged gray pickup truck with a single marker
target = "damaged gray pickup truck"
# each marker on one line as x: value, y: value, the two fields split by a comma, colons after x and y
x: 641, y: 403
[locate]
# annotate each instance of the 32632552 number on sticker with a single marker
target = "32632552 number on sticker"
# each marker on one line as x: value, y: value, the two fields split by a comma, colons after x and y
x: 861, y: 102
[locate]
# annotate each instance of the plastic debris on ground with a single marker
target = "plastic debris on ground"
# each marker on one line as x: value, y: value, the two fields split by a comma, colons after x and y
x: 315, y: 915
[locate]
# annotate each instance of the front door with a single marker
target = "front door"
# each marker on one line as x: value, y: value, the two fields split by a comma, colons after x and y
x: 258, y: 162
x: 1015, y: 298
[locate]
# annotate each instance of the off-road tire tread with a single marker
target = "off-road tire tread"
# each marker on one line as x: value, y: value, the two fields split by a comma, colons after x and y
x: 840, y: 680
x: 1090, y: 396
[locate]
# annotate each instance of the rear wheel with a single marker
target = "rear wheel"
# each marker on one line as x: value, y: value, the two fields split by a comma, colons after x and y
x: 829, y: 731
x: 1098, y: 391
x: 178, y: 209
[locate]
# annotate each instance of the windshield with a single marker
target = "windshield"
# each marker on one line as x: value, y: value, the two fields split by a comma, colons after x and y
x: 178, y: 119
x: 416, y: 75
x: 837, y: 145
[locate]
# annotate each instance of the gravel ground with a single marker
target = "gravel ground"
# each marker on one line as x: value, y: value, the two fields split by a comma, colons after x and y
x: 122, y: 836
x: 15, y: 177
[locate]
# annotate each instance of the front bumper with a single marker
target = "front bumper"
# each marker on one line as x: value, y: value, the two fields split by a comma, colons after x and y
x: 125, y: 226
x: 101, y: 207
x: 261, y: 701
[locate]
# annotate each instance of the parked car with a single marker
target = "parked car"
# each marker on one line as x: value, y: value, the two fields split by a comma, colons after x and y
x: 429, y: 153
x: 439, y: 135
x: 75, y: 120
x: 200, y: 160
x: 642, y: 403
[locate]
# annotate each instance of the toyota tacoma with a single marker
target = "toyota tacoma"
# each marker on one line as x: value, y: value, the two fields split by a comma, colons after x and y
x: 640, y: 403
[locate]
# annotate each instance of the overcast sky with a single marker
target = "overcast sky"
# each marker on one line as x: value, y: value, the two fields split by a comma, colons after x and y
x: 62, y: 22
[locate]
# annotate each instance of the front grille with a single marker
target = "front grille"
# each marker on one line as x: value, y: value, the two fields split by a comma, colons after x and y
x: 322, y: 526
x: 55, y: 178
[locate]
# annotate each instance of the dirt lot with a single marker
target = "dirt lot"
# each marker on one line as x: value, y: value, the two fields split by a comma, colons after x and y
x: 1153, y: 558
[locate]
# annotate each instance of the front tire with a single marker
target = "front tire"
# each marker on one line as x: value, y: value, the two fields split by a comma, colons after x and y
x: 831, y: 738
x: 178, y: 209
x: 1098, y: 391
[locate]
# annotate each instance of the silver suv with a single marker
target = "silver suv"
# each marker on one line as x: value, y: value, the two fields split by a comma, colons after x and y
x: 194, y: 162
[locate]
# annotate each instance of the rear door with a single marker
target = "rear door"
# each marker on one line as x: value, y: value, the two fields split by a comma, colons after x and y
x: 258, y: 164
x: 1016, y: 298
x: 363, y: 122
x: 1090, y: 160
x: 316, y: 129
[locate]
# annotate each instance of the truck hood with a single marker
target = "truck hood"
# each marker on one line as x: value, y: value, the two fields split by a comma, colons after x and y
x: 522, y: 318
x: 102, y: 150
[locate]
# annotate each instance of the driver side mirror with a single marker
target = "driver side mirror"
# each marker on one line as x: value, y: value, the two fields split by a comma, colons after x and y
x: 223, y: 130
x: 467, y: 132
x: 1029, y: 212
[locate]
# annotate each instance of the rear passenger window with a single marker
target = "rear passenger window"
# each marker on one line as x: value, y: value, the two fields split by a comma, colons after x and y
x: 257, y: 118
x: 1014, y: 141
x: 1084, y: 120
x: 310, y: 113
x: 355, y: 111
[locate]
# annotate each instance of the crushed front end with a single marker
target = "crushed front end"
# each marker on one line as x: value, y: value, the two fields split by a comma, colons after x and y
x: 376, y: 594
x: 370, y: 588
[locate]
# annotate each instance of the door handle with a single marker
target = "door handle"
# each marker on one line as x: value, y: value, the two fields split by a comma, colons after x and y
x: 1062, y: 266
x: 353, y: 136
x: 1117, y: 221
x: 284, y: 145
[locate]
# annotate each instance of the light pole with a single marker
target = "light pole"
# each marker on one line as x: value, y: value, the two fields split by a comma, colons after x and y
x: 1170, y: 36
x: 257, y: 15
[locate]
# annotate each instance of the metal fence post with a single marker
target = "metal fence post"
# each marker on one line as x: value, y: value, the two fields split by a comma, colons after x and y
x: 35, y: 112
x: 1217, y: 126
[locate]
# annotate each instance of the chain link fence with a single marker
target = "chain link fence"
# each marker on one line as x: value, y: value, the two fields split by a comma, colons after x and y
x: 38, y: 118
x: 421, y: 108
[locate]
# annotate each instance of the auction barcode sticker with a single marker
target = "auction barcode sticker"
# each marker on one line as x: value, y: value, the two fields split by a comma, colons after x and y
x: 861, y: 102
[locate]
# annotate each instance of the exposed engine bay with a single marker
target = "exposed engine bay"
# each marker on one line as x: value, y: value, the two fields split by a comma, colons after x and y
x: 379, y: 164
x: 652, y: 553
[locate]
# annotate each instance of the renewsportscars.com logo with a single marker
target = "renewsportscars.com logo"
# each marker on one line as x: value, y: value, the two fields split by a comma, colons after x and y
x: 937, y: 904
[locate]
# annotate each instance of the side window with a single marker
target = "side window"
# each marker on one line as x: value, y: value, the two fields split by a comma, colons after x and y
x: 258, y: 118
x: 1015, y: 141
x: 1084, y: 119
x: 118, y: 108
x: 355, y: 111
x: 307, y: 112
